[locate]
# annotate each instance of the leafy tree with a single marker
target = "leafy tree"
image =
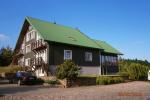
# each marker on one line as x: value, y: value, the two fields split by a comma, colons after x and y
x: 6, y: 54
x: 67, y: 70
x: 135, y: 69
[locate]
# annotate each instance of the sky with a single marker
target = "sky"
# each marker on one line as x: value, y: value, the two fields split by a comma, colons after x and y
x: 125, y: 24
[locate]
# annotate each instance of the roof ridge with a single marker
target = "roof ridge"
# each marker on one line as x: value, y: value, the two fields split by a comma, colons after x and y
x: 28, y: 17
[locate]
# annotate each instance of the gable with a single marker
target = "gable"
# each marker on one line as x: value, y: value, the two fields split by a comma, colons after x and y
x: 62, y: 34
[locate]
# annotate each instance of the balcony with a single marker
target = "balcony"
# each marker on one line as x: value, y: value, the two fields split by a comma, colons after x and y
x: 38, y: 45
x: 20, y: 53
x: 37, y: 61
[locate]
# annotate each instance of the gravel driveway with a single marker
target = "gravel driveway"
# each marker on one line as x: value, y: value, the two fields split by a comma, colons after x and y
x: 137, y: 90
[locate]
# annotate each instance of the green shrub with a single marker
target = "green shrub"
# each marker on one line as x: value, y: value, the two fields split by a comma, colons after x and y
x: 104, y: 80
x: 118, y: 79
x: 39, y: 81
x: 123, y: 74
x: 52, y: 81
x: 67, y: 70
x: 134, y: 69
x: 137, y: 71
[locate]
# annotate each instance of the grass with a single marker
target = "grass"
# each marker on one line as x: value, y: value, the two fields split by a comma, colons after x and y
x: 5, y: 69
x: 93, y: 75
x: 10, y: 69
x: 53, y: 82
x: 87, y: 75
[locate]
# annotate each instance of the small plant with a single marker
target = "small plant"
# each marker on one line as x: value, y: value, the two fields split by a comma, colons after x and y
x: 39, y: 81
x: 105, y: 80
x: 53, y: 82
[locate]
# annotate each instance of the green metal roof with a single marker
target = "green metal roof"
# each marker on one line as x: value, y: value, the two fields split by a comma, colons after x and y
x: 62, y: 34
x: 107, y: 48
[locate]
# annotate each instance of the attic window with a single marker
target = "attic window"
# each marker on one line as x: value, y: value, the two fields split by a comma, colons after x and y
x: 72, y: 38
x: 30, y: 27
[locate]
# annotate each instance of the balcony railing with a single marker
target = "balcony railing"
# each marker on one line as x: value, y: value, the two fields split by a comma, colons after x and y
x: 38, y: 45
x: 37, y: 61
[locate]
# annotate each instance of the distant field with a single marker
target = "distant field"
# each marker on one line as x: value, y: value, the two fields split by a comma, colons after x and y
x: 12, y: 68
x: 5, y: 69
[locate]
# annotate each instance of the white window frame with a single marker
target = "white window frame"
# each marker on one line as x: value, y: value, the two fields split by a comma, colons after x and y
x: 67, y: 58
x: 27, y: 36
x: 30, y: 35
x: 33, y: 34
x: 27, y: 62
x: 28, y: 49
x: 30, y: 28
x: 88, y: 56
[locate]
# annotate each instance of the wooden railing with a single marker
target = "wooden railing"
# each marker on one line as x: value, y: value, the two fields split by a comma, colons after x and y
x: 37, y: 61
x: 39, y: 44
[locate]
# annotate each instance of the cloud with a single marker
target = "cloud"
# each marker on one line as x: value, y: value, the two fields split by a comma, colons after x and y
x: 138, y: 43
x: 3, y: 37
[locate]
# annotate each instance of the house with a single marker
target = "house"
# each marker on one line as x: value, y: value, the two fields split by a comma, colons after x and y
x: 42, y: 46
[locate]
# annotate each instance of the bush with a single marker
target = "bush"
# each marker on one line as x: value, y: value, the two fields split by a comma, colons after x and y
x: 39, y: 81
x: 67, y: 70
x: 52, y: 81
x: 118, y: 79
x: 134, y: 69
x: 137, y: 71
x: 105, y: 80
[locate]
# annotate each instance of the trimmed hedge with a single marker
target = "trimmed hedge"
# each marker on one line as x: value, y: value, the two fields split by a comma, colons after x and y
x: 105, y: 80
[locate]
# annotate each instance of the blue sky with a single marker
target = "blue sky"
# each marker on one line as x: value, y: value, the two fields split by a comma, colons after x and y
x: 125, y: 24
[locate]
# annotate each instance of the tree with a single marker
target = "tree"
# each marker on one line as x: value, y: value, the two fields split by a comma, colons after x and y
x: 6, y: 55
x: 135, y: 69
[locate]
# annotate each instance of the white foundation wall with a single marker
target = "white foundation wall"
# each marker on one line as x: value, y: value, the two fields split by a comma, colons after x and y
x: 85, y: 70
x: 93, y: 70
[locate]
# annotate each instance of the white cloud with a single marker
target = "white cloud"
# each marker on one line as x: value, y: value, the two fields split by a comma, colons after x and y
x: 3, y: 37
x: 138, y: 43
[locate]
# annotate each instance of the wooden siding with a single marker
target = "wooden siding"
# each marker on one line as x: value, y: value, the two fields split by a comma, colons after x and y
x: 56, y: 54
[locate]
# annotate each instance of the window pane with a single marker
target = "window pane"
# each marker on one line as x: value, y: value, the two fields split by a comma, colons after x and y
x: 88, y: 56
x: 67, y: 54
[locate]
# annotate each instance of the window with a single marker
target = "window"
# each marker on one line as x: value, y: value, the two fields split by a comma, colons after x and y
x: 30, y: 35
x: 30, y: 28
x: 27, y: 62
x: 88, y: 56
x: 67, y: 54
x: 33, y: 34
x: 28, y: 48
